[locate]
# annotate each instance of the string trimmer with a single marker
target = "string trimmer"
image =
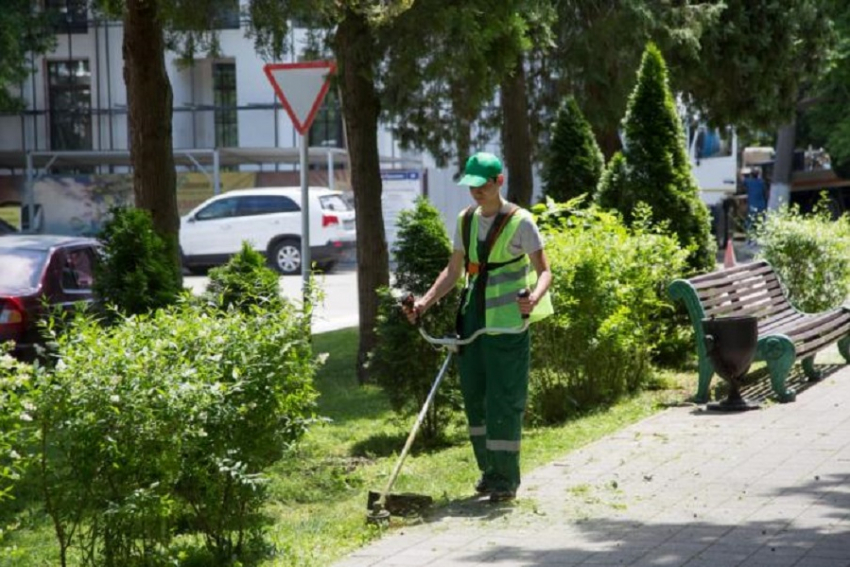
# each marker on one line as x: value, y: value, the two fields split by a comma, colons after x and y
x: 382, y: 504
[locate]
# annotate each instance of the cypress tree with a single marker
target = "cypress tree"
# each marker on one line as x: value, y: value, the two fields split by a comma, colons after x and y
x: 655, y: 167
x: 574, y: 162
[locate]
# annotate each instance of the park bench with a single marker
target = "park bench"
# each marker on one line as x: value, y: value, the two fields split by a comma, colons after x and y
x: 784, y: 333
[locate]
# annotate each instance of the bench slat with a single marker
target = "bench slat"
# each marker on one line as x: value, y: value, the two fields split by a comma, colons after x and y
x: 731, y: 274
x: 773, y: 301
x: 812, y: 325
x: 761, y: 311
x: 742, y: 292
x: 823, y: 340
x: 768, y: 326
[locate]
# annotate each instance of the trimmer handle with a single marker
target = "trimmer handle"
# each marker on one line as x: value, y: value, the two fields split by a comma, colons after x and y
x: 523, y: 293
x: 408, y: 303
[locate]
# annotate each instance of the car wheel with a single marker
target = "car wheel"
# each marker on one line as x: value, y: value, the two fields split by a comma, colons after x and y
x: 285, y: 257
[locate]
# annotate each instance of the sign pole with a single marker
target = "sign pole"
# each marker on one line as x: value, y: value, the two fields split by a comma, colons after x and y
x: 305, y: 223
x: 301, y: 88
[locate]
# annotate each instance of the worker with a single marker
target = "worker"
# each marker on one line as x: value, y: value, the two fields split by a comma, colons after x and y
x: 499, y: 249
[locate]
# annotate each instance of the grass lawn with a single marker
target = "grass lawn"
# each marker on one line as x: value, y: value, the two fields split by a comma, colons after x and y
x: 318, y: 496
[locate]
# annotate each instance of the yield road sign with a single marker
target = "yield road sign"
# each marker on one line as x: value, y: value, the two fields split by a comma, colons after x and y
x: 301, y: 87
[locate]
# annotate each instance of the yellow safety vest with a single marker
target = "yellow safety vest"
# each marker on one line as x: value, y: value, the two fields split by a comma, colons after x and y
x: 506, y: 275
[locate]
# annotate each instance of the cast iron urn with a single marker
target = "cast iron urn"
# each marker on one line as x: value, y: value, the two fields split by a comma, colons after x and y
x: 730, y: 343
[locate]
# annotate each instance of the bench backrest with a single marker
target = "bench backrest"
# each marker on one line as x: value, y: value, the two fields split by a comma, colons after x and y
x: 748, y: 289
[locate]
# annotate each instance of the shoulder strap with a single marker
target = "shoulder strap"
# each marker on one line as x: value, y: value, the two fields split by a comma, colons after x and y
x: 466, y: 231
x: 498, y: 225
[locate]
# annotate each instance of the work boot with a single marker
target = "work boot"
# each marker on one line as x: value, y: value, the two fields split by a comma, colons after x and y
x: 481, y: 487
x: 502, y: 496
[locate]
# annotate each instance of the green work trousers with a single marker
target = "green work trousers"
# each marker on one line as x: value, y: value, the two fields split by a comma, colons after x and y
x: 494, y: 383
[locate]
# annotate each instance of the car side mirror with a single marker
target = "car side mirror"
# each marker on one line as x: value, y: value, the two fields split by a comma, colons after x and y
x: 190, y: 219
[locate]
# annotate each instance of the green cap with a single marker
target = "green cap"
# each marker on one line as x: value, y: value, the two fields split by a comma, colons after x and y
x: 480, y: 168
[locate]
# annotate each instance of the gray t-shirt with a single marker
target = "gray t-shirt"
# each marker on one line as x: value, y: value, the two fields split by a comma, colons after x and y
x: 526, y: 239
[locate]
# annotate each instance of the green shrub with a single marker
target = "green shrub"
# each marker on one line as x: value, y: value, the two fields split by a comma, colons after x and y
x: 611, y: 311
x: 15, y: 382
x: 135, y: 272
x: 245, y: 280
x: 654, y: 168
x: 573, y: 161
x: 422, y: 250
x: 166, y: 422
x: 811, y: 254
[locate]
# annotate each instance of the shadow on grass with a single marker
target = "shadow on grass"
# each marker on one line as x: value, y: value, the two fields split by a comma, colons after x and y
x: 386, y: 444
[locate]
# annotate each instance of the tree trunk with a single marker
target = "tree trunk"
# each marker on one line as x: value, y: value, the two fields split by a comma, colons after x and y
x: 609, y: 143
x: 463, y: 145
x: 516, y: 138
x: 355, y: 52
x: 780, y: 182
x: 149, y: 105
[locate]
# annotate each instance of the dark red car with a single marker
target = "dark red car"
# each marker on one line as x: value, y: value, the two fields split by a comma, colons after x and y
x: 35, y: 267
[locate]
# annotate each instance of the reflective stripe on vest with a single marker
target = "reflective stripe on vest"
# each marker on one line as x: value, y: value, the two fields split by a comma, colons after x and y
x: 504, y: 283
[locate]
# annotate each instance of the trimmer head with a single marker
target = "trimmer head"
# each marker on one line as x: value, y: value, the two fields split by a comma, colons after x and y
x: 378, y: 516
x: 403, y: 505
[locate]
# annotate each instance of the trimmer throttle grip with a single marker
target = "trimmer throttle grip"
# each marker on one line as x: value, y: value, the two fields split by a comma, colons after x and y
x: 523, y: 293
x: 408, y: 302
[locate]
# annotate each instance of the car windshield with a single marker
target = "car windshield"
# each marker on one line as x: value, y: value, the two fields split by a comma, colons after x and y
x: 20, y: 269
x: 333, y: 203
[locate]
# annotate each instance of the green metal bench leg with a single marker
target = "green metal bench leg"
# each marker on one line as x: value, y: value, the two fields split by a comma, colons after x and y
x: 706, y: 371
x: 844, y: 347
x: 812, y: 373
x: 778, y: 352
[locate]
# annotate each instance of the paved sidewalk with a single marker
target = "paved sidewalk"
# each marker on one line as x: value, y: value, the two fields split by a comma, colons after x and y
x: 686, y: 487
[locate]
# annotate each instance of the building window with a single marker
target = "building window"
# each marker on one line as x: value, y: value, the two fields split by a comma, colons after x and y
x: 69, y: 97
x: 326, y: 130
x: 224, y: 97
x: 69, y: 16
x: 227, y: 15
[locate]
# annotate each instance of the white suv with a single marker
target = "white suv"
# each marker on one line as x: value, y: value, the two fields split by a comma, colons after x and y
x: 269, y: 218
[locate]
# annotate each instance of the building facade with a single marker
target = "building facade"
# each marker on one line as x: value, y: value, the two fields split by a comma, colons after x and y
x: 76, y: 98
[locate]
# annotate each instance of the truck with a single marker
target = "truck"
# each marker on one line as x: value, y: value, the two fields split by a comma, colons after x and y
x: 720, y: 168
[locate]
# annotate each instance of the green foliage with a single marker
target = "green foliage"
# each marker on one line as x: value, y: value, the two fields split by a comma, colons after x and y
x: 756, y: 59
x: 24, y: 32
x: 573, y: 162
x: 422, y: 250
x: 611, y: 310
x: 655, y: 169
x: 432, y: 96
x: 598, y: 45
x: 245, y: 280
x: 422, y: 247
x: 168, y: 422
x: 135, y: 272
x: 811, y: 254
x: 15, y: 382
x: 826, y: 122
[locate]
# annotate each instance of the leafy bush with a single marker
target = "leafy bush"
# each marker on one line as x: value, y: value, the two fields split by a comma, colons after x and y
x: 811, y: 254
x: 15, y: 382
x: 167, y: 422
x: 611, y: 310
x: 135, y: 272
x: 573, y: 161
x: 422, y: 250
x: 245, y: 280
x: 654, y: 167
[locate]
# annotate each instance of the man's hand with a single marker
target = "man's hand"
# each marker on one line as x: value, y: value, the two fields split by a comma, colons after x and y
x: 413, y: 308
x: 526, y: 303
